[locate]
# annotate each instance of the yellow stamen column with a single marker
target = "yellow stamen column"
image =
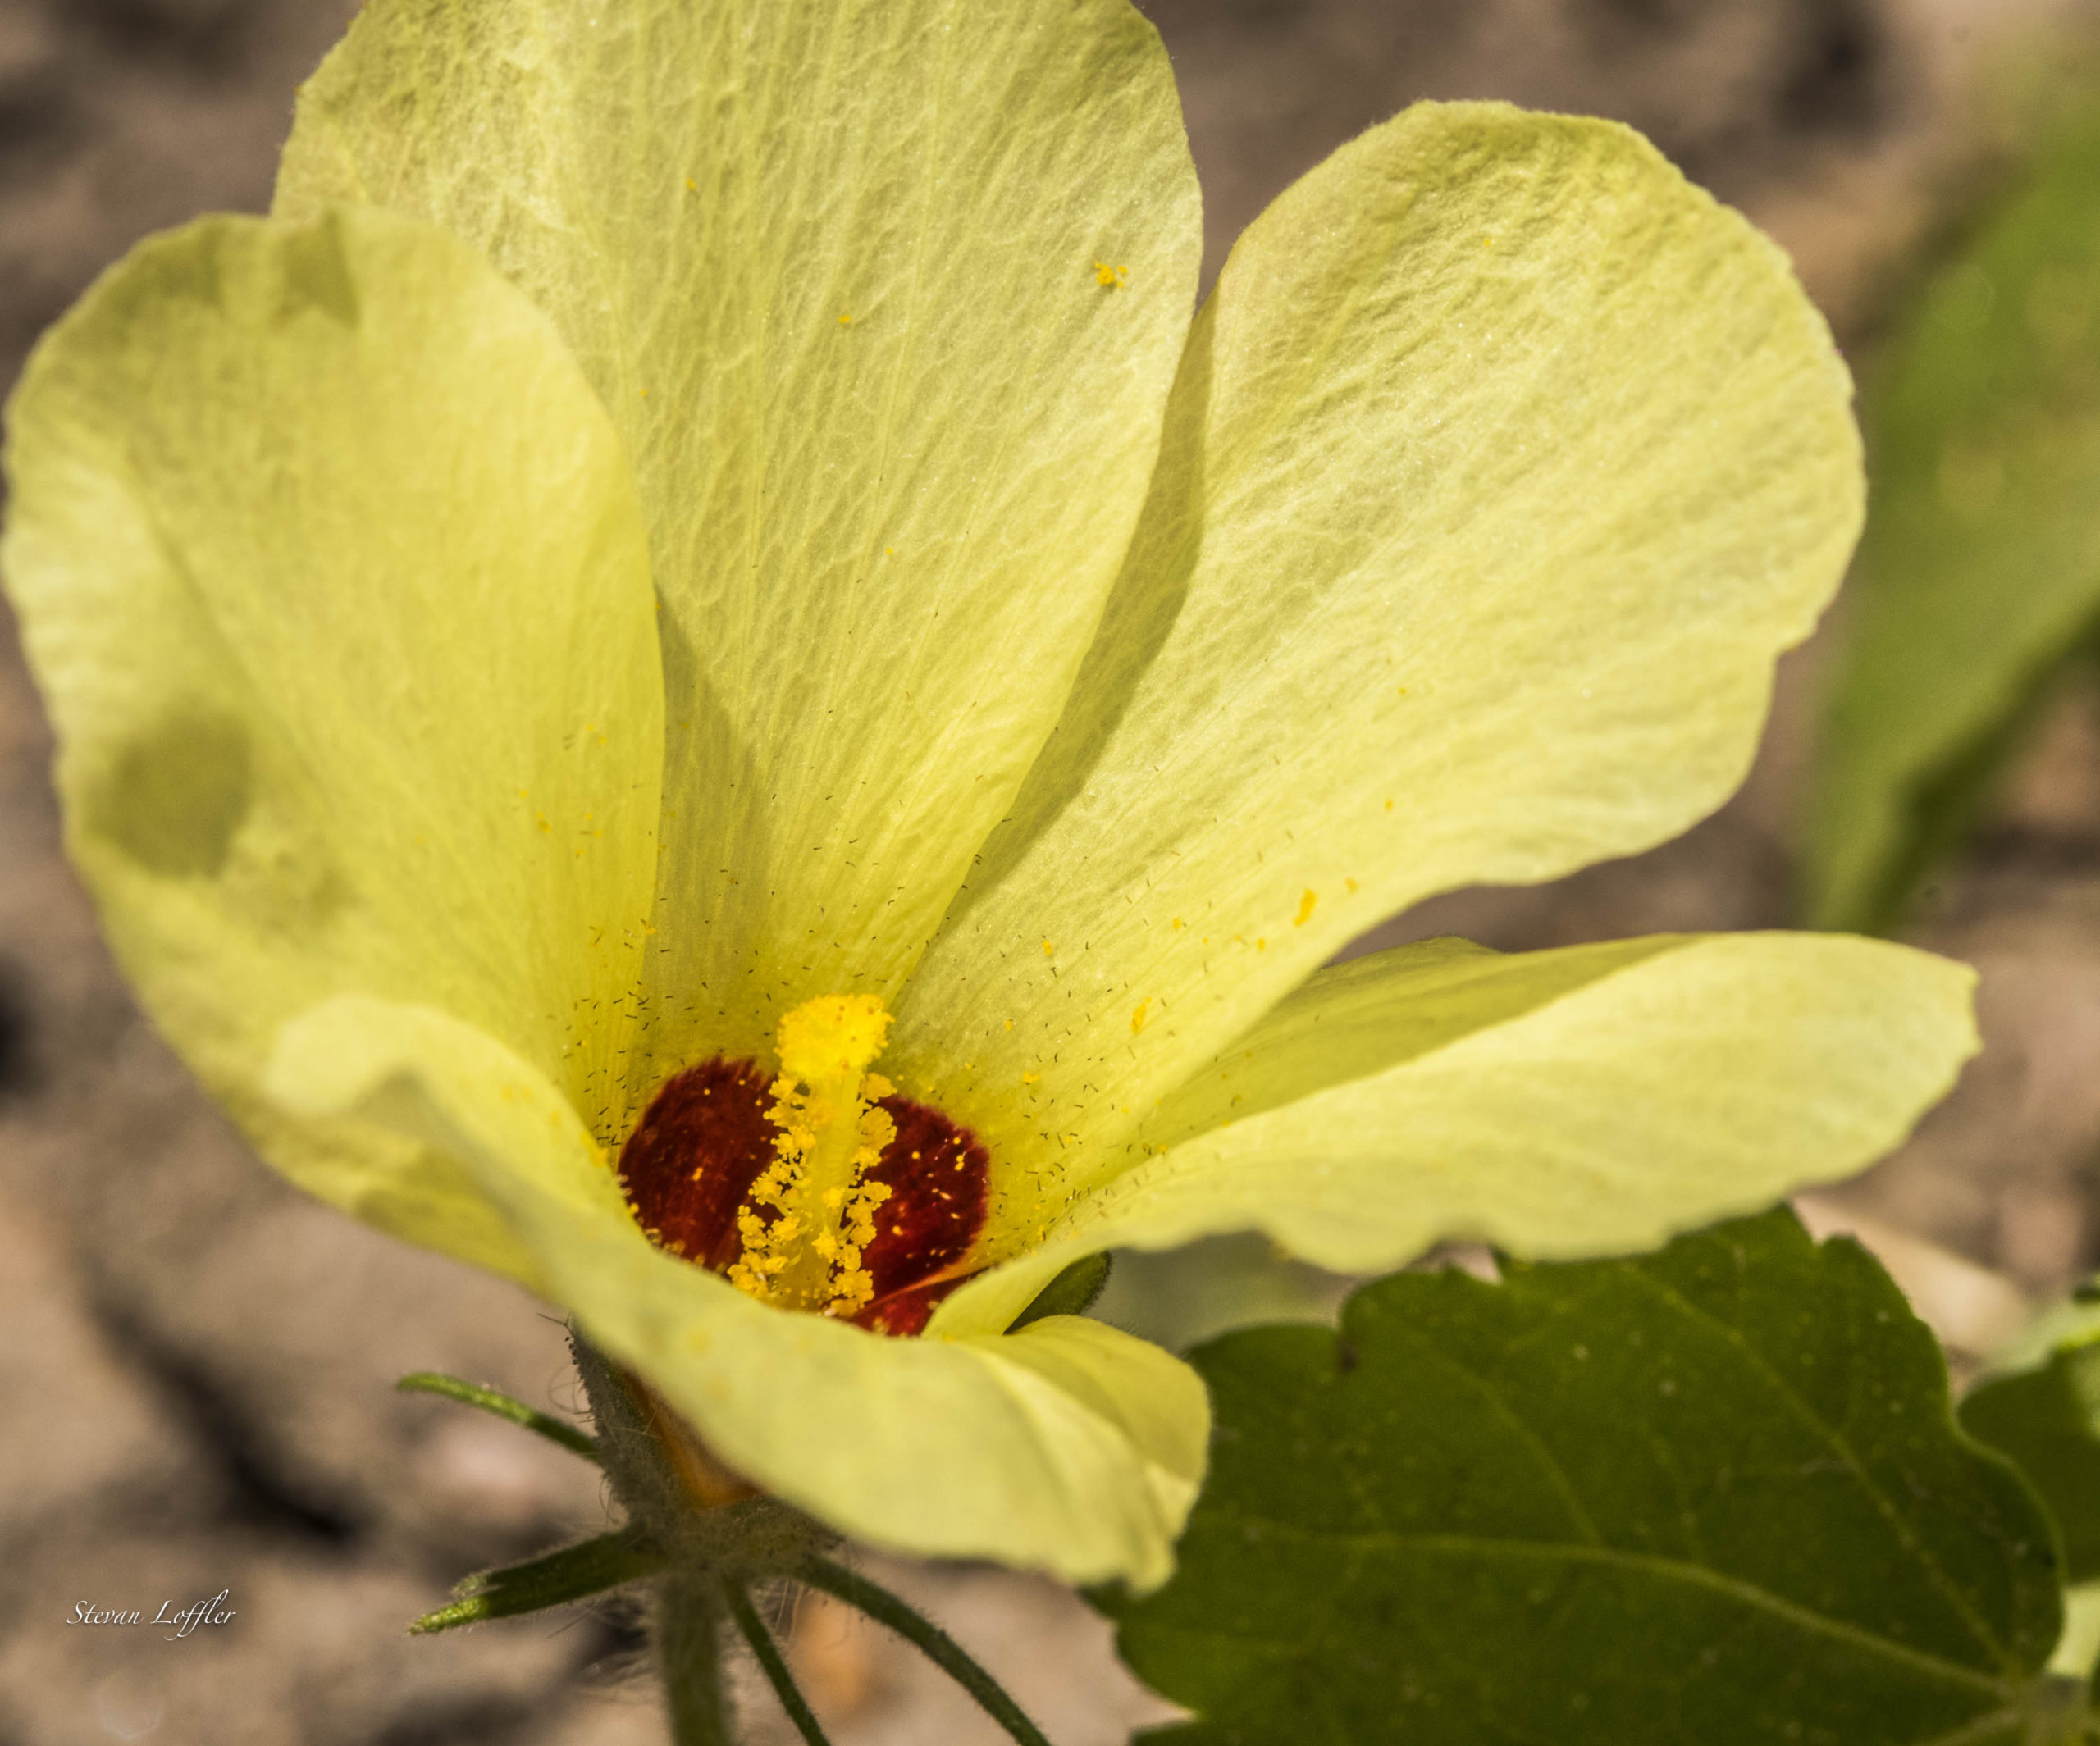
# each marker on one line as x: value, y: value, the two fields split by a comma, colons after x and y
x: 809, y: 1216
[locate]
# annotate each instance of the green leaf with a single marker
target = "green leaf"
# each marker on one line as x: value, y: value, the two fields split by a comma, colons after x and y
x: 2047, y: 1421
x: 503, y: 1405
x: 1712, y: 1495
x: 1072, y: 1292
x: 1980, y: 574
x: 575, y: 1573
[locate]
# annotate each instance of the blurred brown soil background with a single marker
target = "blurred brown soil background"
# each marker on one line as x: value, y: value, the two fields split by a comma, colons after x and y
x: 196, y: 1366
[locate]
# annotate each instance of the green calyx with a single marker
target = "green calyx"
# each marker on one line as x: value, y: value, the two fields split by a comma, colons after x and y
x: 715, y: 1550
x: 703, y: 1519
x: 730, y: 1539
x: 575, y: 1573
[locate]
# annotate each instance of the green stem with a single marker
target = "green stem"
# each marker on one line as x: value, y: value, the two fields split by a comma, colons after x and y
x: 689, y: 1640
x: 926, y: 1637
x: 491, y: 1400
x: 769, y: 1655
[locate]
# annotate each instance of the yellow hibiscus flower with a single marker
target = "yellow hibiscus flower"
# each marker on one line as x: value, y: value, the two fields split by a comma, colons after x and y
x: 685, y: 680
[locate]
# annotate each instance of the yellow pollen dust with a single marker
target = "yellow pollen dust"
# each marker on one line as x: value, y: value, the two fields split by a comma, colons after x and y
x: 810, y: 1215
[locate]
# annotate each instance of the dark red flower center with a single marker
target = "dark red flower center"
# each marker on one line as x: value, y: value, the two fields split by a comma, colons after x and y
x: 690, y: 1167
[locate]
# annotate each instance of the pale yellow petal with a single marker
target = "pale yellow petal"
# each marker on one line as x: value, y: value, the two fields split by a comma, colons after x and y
x: 1501, y: 465
x: 331, y: 572
x: 1588, y: 1102
x: 836, y: 266
x: 1069, y: 1448
x: 353, y: 1061
x: 1356, y: 1019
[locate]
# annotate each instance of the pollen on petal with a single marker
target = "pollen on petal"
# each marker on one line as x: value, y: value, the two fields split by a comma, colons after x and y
x: 1138, y: 1017
x: 1305, y: 908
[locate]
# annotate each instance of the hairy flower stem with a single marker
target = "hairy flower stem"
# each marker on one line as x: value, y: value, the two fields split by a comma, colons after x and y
x: 926, y: 1637
x: 721, y: 1541
x: 689, y: 1645
x: 775, y: 1665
